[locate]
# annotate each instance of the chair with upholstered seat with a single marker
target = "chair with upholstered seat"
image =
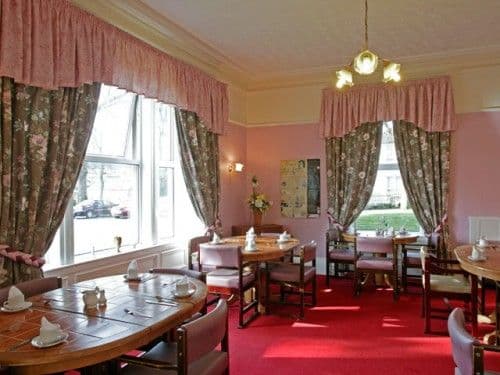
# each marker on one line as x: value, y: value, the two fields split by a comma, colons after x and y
x: 231, y: 276
x: 194, y: 251
x: 441, y: 279
x: 293, y: 278
x: 338, y: 252
x: 375, y: 255
x: 468, y: 353
x: 196, y: 350
x: 411, y: 259
x: 33, y: 287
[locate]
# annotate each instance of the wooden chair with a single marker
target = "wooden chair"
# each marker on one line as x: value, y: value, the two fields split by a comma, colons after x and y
x: 442, y: 279
x: 231, y: 276
x: 411, y: 259
x: 337, y: 252
x: 468, y: 353
x: 194, y: 251
x: 293, y: 278
x: 372, y: 256
x: 195, y: 351
x: 33, y: 287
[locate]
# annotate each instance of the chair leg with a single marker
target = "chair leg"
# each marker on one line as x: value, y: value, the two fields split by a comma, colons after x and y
x: 336, y: 269
x: 314, y: 300
x: 242, y: 306
x: 483, y: 296
x: 355, y: 282
x: 268, y: 291
x: 427, y: 313
x: 404, y: 276
x: 327, y: 273
x: 302, y: 292
x: 395, y: 292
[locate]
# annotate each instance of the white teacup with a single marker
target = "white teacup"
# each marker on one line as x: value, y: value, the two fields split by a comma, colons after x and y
x: 483, y: 242
x: 14, y: 302
x: 475, y: 255
x: 50, y: 334
x: 182, y: 287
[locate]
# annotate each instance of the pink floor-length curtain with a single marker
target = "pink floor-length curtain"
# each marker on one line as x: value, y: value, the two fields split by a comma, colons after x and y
x: 43, y: 139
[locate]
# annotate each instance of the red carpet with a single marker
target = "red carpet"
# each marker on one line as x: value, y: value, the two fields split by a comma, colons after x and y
x: 369, y: 334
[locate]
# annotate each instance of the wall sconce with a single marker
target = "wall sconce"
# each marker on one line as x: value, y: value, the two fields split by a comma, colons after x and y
x: 235, y: 167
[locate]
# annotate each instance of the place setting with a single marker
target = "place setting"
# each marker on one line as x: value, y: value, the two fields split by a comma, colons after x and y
x: 15, y: 302
x: 50, y: 335
x: 284, y: 237
x: 133, y: 274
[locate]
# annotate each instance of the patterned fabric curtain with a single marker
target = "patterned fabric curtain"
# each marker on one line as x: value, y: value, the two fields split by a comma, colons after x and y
x: 351, y: 164
x: 43, y: 141
x: 199, y: 150
x: 423, y: 159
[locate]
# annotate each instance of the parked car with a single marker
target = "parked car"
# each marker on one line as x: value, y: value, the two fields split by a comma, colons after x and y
x: 93, y: 208
x: 120, y: 212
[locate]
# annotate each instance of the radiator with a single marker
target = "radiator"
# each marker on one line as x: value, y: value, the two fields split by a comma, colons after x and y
x: 488, y: 227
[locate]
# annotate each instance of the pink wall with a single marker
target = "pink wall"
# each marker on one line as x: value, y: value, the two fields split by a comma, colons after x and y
x: 475, y: 170
x: 266, y: 147
x: 233, y: 148
x: 475, y: 173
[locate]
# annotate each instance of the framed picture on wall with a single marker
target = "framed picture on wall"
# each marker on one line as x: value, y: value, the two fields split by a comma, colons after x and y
x: 300, y: 188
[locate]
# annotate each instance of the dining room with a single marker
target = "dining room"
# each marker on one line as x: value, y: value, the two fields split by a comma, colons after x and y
x: 179, y: 178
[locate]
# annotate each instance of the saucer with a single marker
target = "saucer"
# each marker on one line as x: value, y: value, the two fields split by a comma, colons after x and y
x: 25, y: 305
x: 279, y: 240
x: 138, y: 278
x: 37, y: 341
x: 479, y: 259
x: 188, y: 294
x: 217, y: 243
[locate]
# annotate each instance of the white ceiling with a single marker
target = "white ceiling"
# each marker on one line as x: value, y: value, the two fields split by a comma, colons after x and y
x: 265, y: 37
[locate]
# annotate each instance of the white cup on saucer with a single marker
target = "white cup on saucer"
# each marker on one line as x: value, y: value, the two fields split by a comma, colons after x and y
x: 483, y: 242
x: 15, y: 299
x: 49, y: 332
x: 182, y: 287
x: 475, y: 255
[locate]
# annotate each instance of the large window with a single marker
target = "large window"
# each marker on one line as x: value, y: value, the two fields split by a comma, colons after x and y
x: 388, y: 205
x: 125, y: 191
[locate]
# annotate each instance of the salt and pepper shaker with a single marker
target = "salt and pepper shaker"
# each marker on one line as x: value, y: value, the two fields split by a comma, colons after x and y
x: 102, y: 297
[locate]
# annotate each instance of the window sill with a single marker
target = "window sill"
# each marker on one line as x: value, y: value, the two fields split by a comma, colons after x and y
x: 87, y: 259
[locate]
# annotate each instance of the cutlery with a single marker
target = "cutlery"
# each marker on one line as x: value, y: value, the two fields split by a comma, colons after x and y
x: 162, y: 303
x: 165, y: 299
x: 19, y: 344
x: 130, y: 312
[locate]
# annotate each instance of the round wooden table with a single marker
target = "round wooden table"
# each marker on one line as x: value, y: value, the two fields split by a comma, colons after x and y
x: 96, y: 335
x: 268, y: 248
x: 488, y: 268
x: 399, y: 239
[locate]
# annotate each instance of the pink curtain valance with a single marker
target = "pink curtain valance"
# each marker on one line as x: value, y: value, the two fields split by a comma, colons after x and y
x: 427, y: 103
x: 52, y: 44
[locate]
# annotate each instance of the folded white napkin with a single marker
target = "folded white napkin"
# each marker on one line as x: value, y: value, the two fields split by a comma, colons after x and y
x: 251, y: 231
x: 15, y: 297
x: 49, y: 332
x: 182, y: 286
x: 250, y: 245
x: 216, y: 238
x: 132, y: 270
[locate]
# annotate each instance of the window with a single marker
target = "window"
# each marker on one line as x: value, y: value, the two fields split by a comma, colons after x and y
x: 388, y: 205
x: 126, y: 184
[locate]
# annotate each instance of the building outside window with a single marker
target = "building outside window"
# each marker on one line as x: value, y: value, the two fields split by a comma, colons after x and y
x: 388, y: 205
x: 127, y: 186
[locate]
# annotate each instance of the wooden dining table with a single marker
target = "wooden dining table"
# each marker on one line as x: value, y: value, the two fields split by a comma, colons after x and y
x: 488, y: 268
x: 267, y: 248
x: 100, y: 334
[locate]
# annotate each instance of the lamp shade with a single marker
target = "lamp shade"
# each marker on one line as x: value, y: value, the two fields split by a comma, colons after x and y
x: 391, y: 72
x: 365, y: 62
x: 344, y: 78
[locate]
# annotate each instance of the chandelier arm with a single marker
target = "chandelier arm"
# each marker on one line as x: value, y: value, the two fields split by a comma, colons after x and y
x: 366, y: 24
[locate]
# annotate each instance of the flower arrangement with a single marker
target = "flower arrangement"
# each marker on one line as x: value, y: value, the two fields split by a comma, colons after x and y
x: 258, y: 201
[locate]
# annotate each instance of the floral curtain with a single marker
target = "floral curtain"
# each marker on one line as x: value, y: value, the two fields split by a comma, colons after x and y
x: 199, y: 149
x: 351, y: 165
x: 424, y: 162
x: 43, y: 141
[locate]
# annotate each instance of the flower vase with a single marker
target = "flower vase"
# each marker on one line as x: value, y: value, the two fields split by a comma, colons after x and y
x: 257, y: 218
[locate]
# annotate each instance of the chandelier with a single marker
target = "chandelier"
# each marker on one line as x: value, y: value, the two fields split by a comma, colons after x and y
x: 366, y: 62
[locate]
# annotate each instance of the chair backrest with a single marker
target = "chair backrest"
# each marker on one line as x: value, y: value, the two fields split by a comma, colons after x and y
x: 461, y: 342
x: 435, y: 241
x: 33, y: 287
x: 308, y: 253
x: 220, y: 255
x: 270, y: 234
x: 201, y: 336
x: 379, y: 245
x: 180, y: 271
x: 194, y: 248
